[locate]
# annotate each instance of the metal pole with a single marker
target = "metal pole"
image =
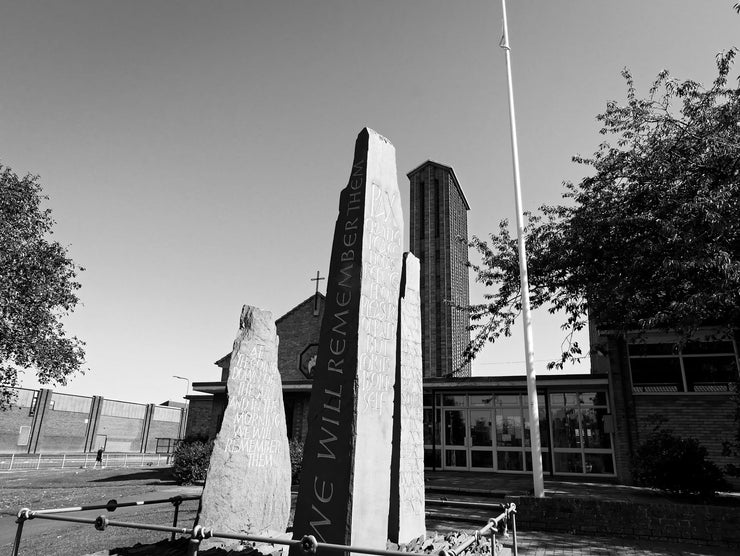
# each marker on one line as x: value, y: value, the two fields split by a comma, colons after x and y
x: 38, y: 463
x: 12, y: 459
x: 175, y: 503
x: 534, y: 414
x: 513, y: 534
x: 18, y: 533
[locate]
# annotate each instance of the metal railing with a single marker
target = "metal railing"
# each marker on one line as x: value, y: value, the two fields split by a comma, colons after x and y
x: 52, y: 514
x: 308, y: 543
x: 15, y: 462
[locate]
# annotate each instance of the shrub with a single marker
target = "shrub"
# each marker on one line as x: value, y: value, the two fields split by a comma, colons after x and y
x: 296, y: 460
x: 190, y: 461
x: 676, y: 465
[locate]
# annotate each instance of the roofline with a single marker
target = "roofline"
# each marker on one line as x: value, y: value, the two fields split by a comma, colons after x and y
x: 309, y: 298
x: 446, y: 167
x: 516, y: 381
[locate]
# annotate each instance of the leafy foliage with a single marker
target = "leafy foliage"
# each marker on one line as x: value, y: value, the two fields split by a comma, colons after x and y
x: 37, y: 288
x: 676, y: 465
x: 295, y: 447
x: 649, y: 240
x: 190, y: 461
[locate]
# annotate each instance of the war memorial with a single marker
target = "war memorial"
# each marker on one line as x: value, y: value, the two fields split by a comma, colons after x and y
x: 362, y: 482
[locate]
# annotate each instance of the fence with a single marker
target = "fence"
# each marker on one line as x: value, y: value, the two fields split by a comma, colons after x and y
x: 14, y: 462
x: 308, y: 543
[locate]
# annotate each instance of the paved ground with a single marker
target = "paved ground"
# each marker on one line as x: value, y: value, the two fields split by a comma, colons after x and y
x: 495, y: 487
x: 558, y: 544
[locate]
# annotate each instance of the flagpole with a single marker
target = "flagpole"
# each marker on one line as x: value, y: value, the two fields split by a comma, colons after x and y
x: 534, y: 414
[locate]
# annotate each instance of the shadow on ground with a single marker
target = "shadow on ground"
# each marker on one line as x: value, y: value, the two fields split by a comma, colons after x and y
x: 159, y: 476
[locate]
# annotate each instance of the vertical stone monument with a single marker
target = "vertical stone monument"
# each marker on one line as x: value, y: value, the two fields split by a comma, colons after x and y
x: 406, y: 518
x: 345, y: 484
x: 248, y: 484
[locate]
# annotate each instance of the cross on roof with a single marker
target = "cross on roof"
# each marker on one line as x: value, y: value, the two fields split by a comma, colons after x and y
x: 316, y: 295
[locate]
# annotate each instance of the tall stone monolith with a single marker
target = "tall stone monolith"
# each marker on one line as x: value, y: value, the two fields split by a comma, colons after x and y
x: 345, y: 484
x: 248, y: 485
x: 406, y: 520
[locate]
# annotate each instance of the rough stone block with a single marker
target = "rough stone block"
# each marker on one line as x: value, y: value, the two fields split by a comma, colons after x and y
x: 406, y: 518
x: 248, y: 486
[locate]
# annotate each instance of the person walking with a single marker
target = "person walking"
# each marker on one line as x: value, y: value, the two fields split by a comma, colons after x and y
x: 99, y: 458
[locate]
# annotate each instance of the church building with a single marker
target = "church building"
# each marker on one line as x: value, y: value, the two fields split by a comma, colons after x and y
x: 590, y: 424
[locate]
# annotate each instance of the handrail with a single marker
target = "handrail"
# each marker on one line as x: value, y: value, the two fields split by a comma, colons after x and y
x: 308, y: 543
x: 490, y: 527
x: 51, y: 513
x: 111, y: 505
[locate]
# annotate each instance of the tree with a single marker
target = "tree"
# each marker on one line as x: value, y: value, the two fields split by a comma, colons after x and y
x: 649, y: 240
x: 37, y: 288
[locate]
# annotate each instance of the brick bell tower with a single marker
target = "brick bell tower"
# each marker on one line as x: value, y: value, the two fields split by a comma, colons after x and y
x: 439, y: 236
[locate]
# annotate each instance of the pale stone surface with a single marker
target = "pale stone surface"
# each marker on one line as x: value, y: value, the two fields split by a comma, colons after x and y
x: 406, y: 519
x: 248, y: 484
x: 345, y: 485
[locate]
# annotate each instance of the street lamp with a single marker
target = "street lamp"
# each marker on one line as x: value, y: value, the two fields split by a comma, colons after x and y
x: 187, y: 391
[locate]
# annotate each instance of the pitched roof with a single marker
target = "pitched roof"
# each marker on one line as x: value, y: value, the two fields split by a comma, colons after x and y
x: 300, y: 305
x: 226, y: 359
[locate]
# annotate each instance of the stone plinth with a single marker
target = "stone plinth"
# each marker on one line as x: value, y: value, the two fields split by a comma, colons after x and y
x: 248, y: 484
x: 406, y: 520
x: 344, y: 492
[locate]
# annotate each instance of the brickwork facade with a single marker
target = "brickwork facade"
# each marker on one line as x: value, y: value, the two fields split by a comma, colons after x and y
x: 46, y: 421
x: 16, y: 423
x: 703, y: 524
x: 438, y: 237
x: 707, y: 417
x: 298, y: 330
x: 200, y: 412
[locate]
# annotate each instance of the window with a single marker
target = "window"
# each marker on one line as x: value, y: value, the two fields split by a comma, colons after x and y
x: 700, y: 366
x: 581, y: 443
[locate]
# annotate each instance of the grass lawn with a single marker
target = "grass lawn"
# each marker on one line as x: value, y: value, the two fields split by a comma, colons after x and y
x: 64, y: 488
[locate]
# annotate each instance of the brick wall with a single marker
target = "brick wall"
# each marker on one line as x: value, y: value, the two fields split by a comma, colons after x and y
x: 11, y: 428
x: 438, y: 218
x: 623, y: 411
x: 161, y: 429
x: 298, y: 427
x: 63, y: 431
x: 199, y: 417
x: 65, y: 423
x: 297, y: 330
x: 708, y: 418
x: 124, y: 433
x: 680, y: 523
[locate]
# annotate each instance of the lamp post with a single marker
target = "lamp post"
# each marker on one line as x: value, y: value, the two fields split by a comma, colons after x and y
x: 187, y: 391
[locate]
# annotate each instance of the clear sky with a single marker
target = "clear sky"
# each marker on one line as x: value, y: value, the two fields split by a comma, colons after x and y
x: 193, y: 152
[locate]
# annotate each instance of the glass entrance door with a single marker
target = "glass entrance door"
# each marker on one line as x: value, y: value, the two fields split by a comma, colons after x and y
x: 455, y: 439
x: 481, y: 439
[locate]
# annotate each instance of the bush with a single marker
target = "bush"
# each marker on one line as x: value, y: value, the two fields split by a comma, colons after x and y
x: 296, y: 460
x: 190, y: 461
x: 677, y: 465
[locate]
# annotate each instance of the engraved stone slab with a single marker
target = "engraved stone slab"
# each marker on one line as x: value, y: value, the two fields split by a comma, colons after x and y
x: 248, y: 484
x: 406, y: 518
x: 344, y: 492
